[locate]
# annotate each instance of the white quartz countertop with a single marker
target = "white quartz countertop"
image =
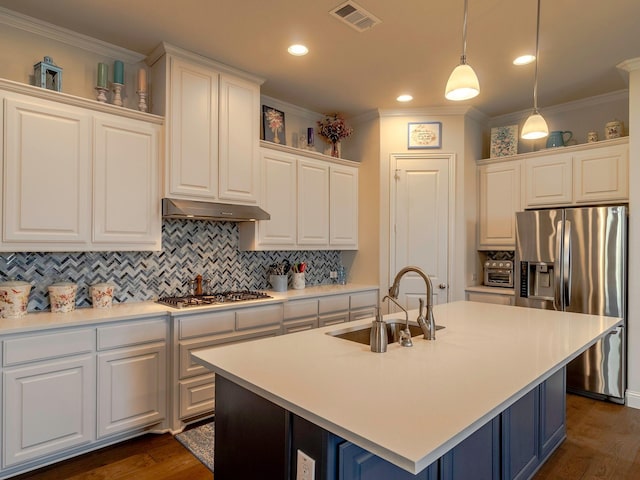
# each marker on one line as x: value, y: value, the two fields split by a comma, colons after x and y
x: 137, y: 310
x: 496, y: 290
x: 412, y: 405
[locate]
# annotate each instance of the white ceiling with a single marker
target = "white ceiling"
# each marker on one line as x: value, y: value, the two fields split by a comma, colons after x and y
x: 413, y: 50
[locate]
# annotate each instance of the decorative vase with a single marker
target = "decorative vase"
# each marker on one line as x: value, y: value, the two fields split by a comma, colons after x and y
x: 335, y: 149
x: 275, y: 136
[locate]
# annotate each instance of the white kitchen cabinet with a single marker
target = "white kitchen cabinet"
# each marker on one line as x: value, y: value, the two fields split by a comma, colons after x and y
x: 49, y: 395
x: 602, y: 174
x: 548, y: 180
x: 47, y: 165
x: 212, y: 119
x: 239, y: 163
x: 132, y: 376
x: 193, y: 392
x: 279, y: 174
x: 313, y: 203
x: 343, y: 206
x: 78, y: 176
x: 300, y: 315
x: 495, y: 298
x: 126, y: 177
x: 192, y: 131
x: 499, y: 198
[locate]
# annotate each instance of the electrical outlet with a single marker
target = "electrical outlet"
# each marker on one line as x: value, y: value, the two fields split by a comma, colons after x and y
x: 333, y: 274
x: 306, y: 468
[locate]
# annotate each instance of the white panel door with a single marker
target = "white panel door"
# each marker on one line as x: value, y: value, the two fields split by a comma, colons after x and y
x: 549, y: 181
x: 131, y: 388
x: 47, y: 172
x: 313, y: 203
x: 343, y: 206
x: 602, y: 175
x: 279, y: 173
x: 421, y: 227
x: 48, y: 408
x: 126, y: 200
x: 239, y: 161
x: 193, y: 131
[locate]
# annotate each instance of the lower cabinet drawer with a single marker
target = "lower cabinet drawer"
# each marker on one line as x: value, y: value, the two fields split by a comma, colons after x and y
x: 362, y: 313
x: 132, y: 333
x: 364, y: 299
x: 325, y: 320
x: 42, y: 347
x: 333, y: 303
x: 300, y: 325
x: 197, y: 396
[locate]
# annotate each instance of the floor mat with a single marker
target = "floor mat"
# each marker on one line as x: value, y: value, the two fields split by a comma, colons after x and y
x: 199, y: 441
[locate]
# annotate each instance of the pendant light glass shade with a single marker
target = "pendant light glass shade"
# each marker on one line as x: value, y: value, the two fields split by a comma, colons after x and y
x: 463, y: 82
x: 535, y: 127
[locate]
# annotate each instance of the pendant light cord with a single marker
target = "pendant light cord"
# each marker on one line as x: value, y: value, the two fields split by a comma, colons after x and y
x: 535, y: 78
x: 463, y: 57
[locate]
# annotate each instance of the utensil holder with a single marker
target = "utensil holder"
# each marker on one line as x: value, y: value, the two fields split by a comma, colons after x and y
x: 278, y: 283
x: 298, y: 281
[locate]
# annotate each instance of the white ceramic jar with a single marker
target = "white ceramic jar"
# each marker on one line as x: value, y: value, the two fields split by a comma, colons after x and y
x: 62, y: 297
x: 14, y: 298
x: 613, y: 129
x: 102, y: 295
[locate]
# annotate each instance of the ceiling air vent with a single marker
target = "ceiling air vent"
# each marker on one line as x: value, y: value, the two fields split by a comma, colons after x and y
x: 355, y: 16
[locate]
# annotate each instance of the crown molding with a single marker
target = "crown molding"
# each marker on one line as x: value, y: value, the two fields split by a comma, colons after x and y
x: 630, y: 65
x: 66, y: 36
x: 165, y: 48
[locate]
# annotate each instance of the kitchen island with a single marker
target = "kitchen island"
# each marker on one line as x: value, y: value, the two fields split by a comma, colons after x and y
x: 409, y: 407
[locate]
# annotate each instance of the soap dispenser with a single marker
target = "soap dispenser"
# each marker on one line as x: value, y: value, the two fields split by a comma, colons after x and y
x: 378, y: 339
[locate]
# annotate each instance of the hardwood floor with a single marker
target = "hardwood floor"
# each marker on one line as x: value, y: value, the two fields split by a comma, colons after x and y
x: 603, y: 442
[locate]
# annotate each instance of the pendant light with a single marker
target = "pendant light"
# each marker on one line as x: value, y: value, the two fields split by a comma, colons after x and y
x: 535, y: 127
x: 463, y: 83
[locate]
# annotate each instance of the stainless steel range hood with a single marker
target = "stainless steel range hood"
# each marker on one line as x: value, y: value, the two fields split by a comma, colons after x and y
x: 190, y: 209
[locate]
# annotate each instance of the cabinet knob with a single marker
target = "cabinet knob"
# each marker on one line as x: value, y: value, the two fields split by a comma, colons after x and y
x: 442, y: 286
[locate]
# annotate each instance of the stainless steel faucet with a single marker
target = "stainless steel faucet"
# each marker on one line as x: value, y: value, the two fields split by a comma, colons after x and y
x: 427, y: 325
x: 405, y: 335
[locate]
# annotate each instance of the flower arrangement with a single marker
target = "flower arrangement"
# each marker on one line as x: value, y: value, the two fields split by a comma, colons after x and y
x: 333, y: 128
x: 275, y: 122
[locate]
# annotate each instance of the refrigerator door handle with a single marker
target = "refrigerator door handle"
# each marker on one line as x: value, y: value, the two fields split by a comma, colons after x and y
x: 566, y: 264
x: 557, y: 270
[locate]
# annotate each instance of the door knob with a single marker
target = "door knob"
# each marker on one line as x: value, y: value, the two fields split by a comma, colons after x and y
x: 442, y: 286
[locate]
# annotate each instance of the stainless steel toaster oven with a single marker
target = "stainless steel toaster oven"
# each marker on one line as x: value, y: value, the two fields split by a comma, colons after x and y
x: 498, y: 273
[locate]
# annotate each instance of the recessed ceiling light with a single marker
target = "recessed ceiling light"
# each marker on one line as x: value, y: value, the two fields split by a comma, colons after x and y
x: 524, y: 60
x: 404, y: 98
x: 298, y: 50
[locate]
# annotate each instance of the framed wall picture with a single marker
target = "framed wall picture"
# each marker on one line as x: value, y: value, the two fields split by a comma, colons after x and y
x: 273, y: 125
x: 504, y: 141
x: 425, y: 135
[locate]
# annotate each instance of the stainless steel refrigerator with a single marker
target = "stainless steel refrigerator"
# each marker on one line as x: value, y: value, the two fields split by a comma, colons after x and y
x: 575, y: 260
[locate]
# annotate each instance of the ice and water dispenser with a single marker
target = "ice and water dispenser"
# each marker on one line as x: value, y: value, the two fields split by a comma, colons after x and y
x: 537, y: 280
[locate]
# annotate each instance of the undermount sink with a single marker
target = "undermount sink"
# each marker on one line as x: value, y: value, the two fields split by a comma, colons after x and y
x: 362, y: 334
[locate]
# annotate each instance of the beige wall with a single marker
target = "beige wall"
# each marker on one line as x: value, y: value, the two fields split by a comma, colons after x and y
x: 21, y: 49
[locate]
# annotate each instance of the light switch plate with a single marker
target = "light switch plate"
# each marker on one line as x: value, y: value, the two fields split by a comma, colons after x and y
x: 306, y: 467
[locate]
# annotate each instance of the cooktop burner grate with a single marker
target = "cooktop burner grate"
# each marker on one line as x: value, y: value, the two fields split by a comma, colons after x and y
x: 213, y: 298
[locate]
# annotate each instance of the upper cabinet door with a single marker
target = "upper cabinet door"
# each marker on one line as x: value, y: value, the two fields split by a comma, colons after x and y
x: 192, y: 162
x: 278, y: 199
x: 239, y: 161
x: 548, y: 181
x: 127, y: 204
x: 602, y: 174
x: 313, y: 203
x: 47, y: 172
x: 500, y: 198
x: 343, y: 206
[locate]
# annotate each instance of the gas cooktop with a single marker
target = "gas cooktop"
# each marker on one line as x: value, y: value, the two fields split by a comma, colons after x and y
x: 213, y: 299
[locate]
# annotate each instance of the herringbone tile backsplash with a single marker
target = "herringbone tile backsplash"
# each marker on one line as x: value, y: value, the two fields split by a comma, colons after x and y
x: 189, y: 248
